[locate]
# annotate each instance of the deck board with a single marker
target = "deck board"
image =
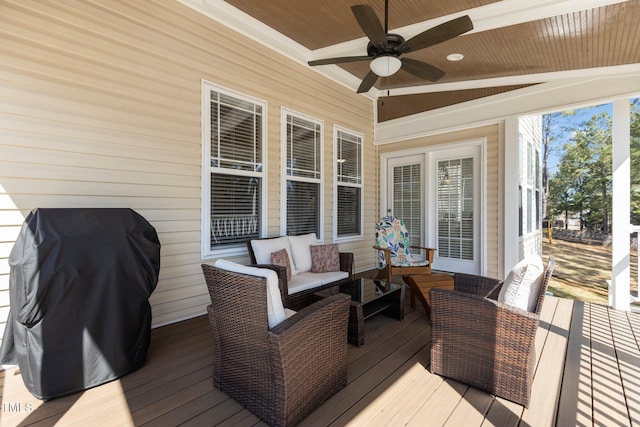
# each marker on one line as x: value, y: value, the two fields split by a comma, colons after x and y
x: 439, y: 406
x: 546, y: 387
x: 575, y: 404
x: 360, y: 397
x: 609, y: 407
x: 587, y: 374
x: 471, y: 409
x: 628, y: 358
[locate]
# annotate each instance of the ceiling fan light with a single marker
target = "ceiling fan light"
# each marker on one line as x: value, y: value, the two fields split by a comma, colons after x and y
x: 385, y: 65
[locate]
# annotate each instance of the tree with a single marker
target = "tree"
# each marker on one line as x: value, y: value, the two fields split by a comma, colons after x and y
x: 583, y: 181
x: 553, y: 126
x: 594, y: 140
x: 561, y: 196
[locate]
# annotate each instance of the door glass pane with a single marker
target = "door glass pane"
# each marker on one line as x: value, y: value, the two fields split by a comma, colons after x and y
x: 455, y: 208
x: 407, y: 197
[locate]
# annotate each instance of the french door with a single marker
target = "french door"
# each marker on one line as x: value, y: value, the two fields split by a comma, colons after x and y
x: 438, y: 196
x: 455, y: 209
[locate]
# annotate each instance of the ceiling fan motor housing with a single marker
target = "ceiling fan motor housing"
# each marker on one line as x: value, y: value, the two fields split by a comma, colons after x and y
x: 393, y: 42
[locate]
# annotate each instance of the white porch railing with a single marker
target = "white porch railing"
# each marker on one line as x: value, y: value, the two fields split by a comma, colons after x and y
x: 635, y: 300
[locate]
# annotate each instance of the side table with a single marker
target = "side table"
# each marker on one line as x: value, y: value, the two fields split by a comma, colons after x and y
x: 421, y: 284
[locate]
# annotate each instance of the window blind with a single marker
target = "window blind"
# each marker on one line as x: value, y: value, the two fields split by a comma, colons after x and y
x: 303, y: 148
x: 349, y: 213
x: 407, y: 185
x: 303, y: 213
x: 235, y: 208
x: 349, y: 158
x: 455, y: 208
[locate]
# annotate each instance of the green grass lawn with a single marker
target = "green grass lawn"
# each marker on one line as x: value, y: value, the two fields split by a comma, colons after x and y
x: 582, y: 270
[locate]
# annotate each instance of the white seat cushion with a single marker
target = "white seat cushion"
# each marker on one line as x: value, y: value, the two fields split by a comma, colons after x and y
x: 275, y: 308
x: 332, y: 276
x: 301, y: 251
x: 304, y: 281
x: 263, y: 248
x: 522, y: 285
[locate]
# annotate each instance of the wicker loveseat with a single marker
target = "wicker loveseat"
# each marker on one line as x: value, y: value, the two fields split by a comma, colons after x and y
x: 303, y: 283
x: 485, y: 343
x: 280, y: 373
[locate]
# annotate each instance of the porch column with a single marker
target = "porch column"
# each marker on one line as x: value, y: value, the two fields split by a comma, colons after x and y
x: 511, y: 177
x: 619, y: 293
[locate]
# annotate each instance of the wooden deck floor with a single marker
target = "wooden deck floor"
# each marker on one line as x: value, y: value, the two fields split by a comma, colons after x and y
x: 389, y: 383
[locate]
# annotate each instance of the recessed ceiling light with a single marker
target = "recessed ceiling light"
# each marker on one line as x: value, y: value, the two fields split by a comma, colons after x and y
x: 455, y: 57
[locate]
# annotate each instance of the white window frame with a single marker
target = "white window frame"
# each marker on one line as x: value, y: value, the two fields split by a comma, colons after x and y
x: 530, y: 184
x: 336, y: 184
x: 206, y: 251
x: 284, y: 114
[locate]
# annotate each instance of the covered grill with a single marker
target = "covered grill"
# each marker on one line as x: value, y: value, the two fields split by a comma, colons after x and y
x: 80, y: 281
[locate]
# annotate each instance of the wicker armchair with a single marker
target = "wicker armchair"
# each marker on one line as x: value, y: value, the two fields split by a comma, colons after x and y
x: 280, y: 374
x: 482, y: 342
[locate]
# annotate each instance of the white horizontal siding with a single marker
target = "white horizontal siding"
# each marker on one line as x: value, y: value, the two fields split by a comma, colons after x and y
x: 100, y: 107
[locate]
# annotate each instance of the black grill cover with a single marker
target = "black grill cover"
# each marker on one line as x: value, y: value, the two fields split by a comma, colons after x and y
x: 79, y: 286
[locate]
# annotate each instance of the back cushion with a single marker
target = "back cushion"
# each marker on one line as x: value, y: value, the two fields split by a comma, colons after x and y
x: 522, y: 285
x: 301, y: 252
x: 275, y: 308
x: 325, y: 258
x: 281, y: 258
x: 263, y: 248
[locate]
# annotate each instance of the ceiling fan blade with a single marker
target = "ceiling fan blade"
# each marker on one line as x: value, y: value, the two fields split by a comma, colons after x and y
x: 341, y: 60
x: 368, y: 82
x: 437, y: 34
x: 421, y: 69
x: 370, y: 24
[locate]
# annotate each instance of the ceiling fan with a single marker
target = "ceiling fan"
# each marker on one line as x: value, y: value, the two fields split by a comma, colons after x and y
x: 385, y: 49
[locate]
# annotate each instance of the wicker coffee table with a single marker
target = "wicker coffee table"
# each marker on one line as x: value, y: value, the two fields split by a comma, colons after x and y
x: 368, y: 298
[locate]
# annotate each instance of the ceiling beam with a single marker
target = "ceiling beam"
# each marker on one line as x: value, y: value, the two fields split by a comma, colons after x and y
x: 515, y: 80
x: 538, y: 99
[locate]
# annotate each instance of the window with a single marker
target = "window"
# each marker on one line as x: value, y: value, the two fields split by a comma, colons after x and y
x: 348, y: 181
x: 530, y: 187
x: 521, y: 179
x: 233, y: 202
x: 538, y: 188
x: 302, y: 152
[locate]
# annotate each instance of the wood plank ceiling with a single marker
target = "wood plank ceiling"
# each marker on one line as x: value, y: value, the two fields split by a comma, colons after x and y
x: 509, y: 46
